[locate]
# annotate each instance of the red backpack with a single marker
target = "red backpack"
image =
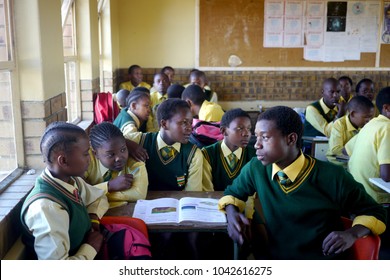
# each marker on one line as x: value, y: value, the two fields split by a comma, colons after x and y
x: 105, y: 109
x: 123, y: 242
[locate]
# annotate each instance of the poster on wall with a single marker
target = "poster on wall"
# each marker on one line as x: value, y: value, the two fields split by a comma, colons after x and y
x: 386, y: 24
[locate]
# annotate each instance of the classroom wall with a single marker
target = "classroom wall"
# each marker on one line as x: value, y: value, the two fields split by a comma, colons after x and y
x: 155, y: 33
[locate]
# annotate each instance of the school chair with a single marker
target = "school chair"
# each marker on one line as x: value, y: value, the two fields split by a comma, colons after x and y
x: 134, y: 222
x: 365, y: 248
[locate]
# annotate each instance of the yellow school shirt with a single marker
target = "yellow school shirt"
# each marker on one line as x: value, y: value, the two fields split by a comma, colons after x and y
x: 370, y: 150
x: 129, y: 86
x: 138, y: 189
x: 317, y: 120
x: 342, y: 131
x: 210, y: 112
x: 155, y: 99
x: 131, y: 127
x: 194, y: 182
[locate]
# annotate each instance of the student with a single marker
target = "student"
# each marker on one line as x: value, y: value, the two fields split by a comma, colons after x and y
x: 205, y: 110
x: 58, y: 213
x: 121, y: 97
x: 320, y: 115
x: 174, y: 163
x: 170, y: 72
x: 175, y: 91
x: 224, y: 159
x: 135, y: 79
x: 365, y: 87
x: 361, y: 111
x: 161, y: 84
x: 134, y: 116
x: 370, y: 152
x: 370, y: 158
x: 302, y: 211
x: 199, y: 78
x: 345, y: 88
x: 122, y: 178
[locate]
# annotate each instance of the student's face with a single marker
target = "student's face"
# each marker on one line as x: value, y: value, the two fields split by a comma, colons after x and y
x: 78, y: 158
x: 238, y: 133
x: 367, y: 89
x: 136, y: 76
x: 200, y: 81
x: 360, y: 118
x: 331, y: 94
x: 141, y: 108
x: 113, y: 154
x: 345, y: 88
x: 170, y: 74
x: 178, y: 128
x: 271, y: 146
x: 161, y: 83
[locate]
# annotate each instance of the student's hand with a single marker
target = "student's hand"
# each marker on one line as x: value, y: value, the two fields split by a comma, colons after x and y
x: 341, y: 108
x: 95, y: 239
x: 238, y: 225
x: 136, y: 151
x: 120, y: 183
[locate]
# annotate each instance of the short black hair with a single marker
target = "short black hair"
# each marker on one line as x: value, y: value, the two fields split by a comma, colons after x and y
x: 59, y: 136
x: 103, y: 132
x: 167, y: 68
x: 231, y: 115
x: 175, y: 91
x: 346, y: 78
x: 197, y: 74
x: 383, y: 98
x: 144, y: 89
x: 194, y: 93
x: 168, y: 108
x: 286, y: 119
x: 122, y: 95
x: 359, y: 103
x: 135, y: 96
x: 329, y: 81
x: 362, y: 81
x: 132, y: 68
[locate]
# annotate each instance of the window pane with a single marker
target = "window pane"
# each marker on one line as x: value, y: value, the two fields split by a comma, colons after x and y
x: 8, y: 161
x: 4, y: 51
x: 68, y: 35
x: 72, y: 96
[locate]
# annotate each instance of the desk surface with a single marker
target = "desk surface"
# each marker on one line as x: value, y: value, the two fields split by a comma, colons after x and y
x: 127, y: 210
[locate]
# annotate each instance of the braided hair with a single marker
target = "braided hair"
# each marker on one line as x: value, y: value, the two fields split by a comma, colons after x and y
x: 59, y: 136
x: 102, y: 133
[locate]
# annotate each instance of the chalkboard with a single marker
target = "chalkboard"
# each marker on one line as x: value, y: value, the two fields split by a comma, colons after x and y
x: 235, y: 27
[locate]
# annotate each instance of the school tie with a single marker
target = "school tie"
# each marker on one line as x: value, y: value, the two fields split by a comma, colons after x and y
x: 283, y: 178
x: 331, y: 114
x: 107, y: 176
x: 168, y: 152
x: 232, y: 160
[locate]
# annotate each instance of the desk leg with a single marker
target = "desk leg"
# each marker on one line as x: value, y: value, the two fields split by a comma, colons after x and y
x: 236, y: 250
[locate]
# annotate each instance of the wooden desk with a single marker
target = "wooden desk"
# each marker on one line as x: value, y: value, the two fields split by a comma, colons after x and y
x: 127, y: 210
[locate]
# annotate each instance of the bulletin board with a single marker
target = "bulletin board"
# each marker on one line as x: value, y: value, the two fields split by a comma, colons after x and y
x: 235, y: 27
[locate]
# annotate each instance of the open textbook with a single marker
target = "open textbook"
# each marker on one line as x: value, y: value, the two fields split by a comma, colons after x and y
x: 379, y: 182
x: 171, y: 210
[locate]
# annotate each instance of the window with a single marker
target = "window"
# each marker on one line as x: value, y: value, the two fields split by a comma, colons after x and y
x: 71, y: 63
x: 10, y: 119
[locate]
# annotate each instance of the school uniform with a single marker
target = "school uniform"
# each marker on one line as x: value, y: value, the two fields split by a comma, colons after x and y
x: 319, y: 119
x: 129, y: 86
x: 343, y: 130
x: 370, y: 150
x: 99, y: 175
x: 128, y: 122
x: 299, y: 216
x: 182, y: 171
x: 155, y: 99
x: 217, y: 174
x: 210, y: 112
x: 55, y: 217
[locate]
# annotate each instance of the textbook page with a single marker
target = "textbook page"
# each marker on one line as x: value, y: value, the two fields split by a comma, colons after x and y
x: 157, y: 211
x: 379, y: 182
x: 200, y: 210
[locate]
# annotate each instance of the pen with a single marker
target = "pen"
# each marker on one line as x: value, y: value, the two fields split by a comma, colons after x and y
x: 134, y: 171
